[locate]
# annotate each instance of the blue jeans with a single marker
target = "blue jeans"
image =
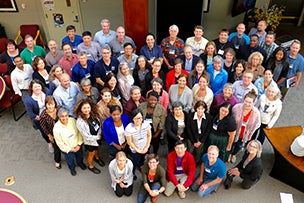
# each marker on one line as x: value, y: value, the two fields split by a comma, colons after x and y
x: 70, y: 158
x: 141, y: 198
x: 203, y: 193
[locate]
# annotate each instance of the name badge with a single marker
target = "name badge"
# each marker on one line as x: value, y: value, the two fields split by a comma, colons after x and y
x: 149, y: 120
x: 207, y: 170
x: 220, y: 52
x: 244, y: 124
x: 26, y: 78
x: 237, y: 46
x: 113, y: 68
x: 172, y: 51
x: 214, y: 126
x: 70, y: 99
x: 88, y: 75
x: 96, y: 127
x: 47, y: 81
x: 108, y: 71
x: 70, y: 136
x: 89, y: 54
x: 290, y: 66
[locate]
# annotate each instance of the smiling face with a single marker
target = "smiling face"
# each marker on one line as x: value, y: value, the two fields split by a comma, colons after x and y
x: 294, y: 49
x: 106, y: 54
x: 135, y: 95
x: 71, y: 33
x: 156, y: 67
x: 212, y: 155
x: 150, y: 41
x: 36, y: 88
x: 224, y: 111
x: 64, y: 118
x: 141, y: 63
x: 112, y: 82
x: 200, y: 111
x: 202, y: 83
x: 239, y: 69
x: 248, y: 103
x: 247, y: 78
x: 116, y: 115
x: 86, y: 109
x: 268, y: 75
x: 173, y: 32
x: 229, y: 57
x: 240, y: 29
x: 83, y: 60
x: 198, y: 33
x: 156, y: 87
x: 10, y: 47
x: 217, y: 66
x: 182, y: 81
x: 128, y: 50
x: 152, y: 163
x: 50, y: 106
x: 87, y: 40
x: 223, y: 37
x: 40, y: 65
x: 67, y: 50
x: 227, y: 92
x: 199, y: 68
x: 138, y: 119
x: 65, y: 81
x: 125, y: 70
x: 279, y: 55
x: 180, y: 150
x: 210, y: 49
x: 271, y: 93
x: 106, y: 97
x: 105, y: 27
x: 255, y: 60
x: 178, y: 68
x: 152, y: 101
x: 29, y: 42
x: 188, y: 53
x: 58, y: 72
x: 178, y: 111
x: 254, y: 42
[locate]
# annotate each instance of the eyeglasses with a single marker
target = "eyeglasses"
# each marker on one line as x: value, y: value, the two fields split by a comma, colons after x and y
x: 152, y: 162
x: 251, y: 145
x: 138, y: 118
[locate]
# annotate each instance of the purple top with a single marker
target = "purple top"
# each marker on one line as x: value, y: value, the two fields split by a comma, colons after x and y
x: 219, y: 99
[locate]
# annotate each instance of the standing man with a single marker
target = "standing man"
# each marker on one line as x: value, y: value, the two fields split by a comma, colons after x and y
x: 31, y: 50
x: 180, y: 170
x: 128, y: 56
x: 69, y: 59
x: 239, y: 37
x: 83, y: 69
x: 211, y: 174
x: 269, y: 45
x: 189, y: 58
x: 222, y: 42
x: 54, y: 55
x: 21, y: 77
x: 117, y: 43
x: 105, y: 35
x: 245, y: 50
x: 65, y: 94
x: 72, y: 38
x: 259, y: 31
x: 198, y: 42
x: 91, y: 48
x: 105, y: 65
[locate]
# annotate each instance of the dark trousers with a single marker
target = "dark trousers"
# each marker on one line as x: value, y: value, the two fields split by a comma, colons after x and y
x: 137, y: 160
x: 155, y: 144
x: 57, y: 153
x: 246, y: 183
x: 45, y: 137
x: 123, y: 191
x: 71, y: 156
x: 262, y: 134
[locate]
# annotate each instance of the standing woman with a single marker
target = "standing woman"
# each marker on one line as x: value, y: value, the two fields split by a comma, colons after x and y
x: 254, y: 63
x: 249, y: 169
x: 198, y: 130
x: 151, y: 50
x: 223, y: 130
x: 154, y: 114
x: 201, y: 91
x: 278, y: 63
x: 89, y: 126
x: 138, y: 135
x: 111, y: 83
x: 270, y: 106
x: 155, y: 72
x: 154, y: 179
x: 163, y: 96
x: 8, y: 56
x: 104, y: 105
x: 229, y: 60
x: 48, y: 118
x: 196, y: 73
x: 142, y: 68
x: 125, y: 81
x: 248, y: 120
x: 135, y: 100
x: 176, y: 123
x: 182, y: 93
x: 120, y: 170
x: 209, y: 53
x: 114, y: 130
x: 55, y: 74
x: 264, y: 82
x: 237, y: 73
x: 34, y: 104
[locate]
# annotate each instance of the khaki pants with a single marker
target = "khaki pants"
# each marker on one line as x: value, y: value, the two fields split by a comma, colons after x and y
x: 171, y: 187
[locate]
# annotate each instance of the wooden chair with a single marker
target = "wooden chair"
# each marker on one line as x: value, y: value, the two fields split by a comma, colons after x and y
x: 32, y: 30
x: 8, y: 97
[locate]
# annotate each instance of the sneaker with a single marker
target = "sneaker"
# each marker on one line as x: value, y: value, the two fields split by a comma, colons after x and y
x: 233, y: 159
x: 51, y: 148
x: 182, y: 195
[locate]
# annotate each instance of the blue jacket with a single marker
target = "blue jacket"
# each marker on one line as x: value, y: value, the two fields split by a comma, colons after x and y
x: 109, y: 131
x: 31, y: 107
x: 219, y: 81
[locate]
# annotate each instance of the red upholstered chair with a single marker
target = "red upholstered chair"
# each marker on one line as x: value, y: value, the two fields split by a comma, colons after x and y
x: 2, y: 44
x: 8, y: 99
x: 3, y: 69
x: 32, y: 30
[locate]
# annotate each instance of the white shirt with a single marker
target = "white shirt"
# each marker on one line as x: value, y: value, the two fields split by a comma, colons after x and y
x: 198, y: 47
x: 199, y: 121
x: 21, y: 79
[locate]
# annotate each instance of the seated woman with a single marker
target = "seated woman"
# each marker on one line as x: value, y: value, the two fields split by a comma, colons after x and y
x: 223, y: 130
x: 111, y: 83
x: 87, y: 91
x: 154, y: 179
x: 89, y: 126
x: 8, y: 56
x: 114, y: 130
x: 176, y: 123
x: 229, y: 60
x: 209, y: 53
x: 237, y: 73
x: 155, y: 72
x: 218, y: 75
x: 120, y: 170
x: 138, y: 135
x: 196, y: 73
x: 151, y: 50
x: 182, y: 93
x: 278, y: 64
x: 107, y: 100
x: 154, y: 114
x: 199, y: 124
x: 254, y: 63
x: 270, y: 106
x: 55, y: 74
x: 142, y: 68
x: 264, y: 82
x: 69, y: 140
x: 172, y: 75
x: 201, y: 92
x: 249, y: 169
x: 135, y: 100
x: 48, y: 118
x: 125, y: 81
x: 163, y: 96
x: 248, y: 120
x: 34, y: 104
x: 225, y: 96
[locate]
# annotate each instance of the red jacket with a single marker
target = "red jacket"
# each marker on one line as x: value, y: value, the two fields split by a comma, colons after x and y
x: 170, y: 79
x: 188, y: 165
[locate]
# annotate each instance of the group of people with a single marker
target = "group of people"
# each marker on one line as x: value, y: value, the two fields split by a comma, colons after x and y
x: 207, y: 99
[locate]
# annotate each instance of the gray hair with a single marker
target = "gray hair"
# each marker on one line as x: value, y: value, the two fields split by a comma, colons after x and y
x: 61, y: 111
x: 158, y: 80
x: 104, y: 21
x: 217, y: 59
x: 82, y: 53
x: 228, y: 85
x: 258, y: 145
x: 85, y: 81
x: 134, y: 88
x: 106, y: 47
x: 256, y: 53
x: 277, y: 91
x: 173, y: 27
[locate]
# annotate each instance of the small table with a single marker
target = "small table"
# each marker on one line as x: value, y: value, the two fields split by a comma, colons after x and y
x: 287, y: 167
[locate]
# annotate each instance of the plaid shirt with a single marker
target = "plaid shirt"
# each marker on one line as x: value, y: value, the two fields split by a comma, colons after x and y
x: 269, y: 49
x: 171, y: 52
